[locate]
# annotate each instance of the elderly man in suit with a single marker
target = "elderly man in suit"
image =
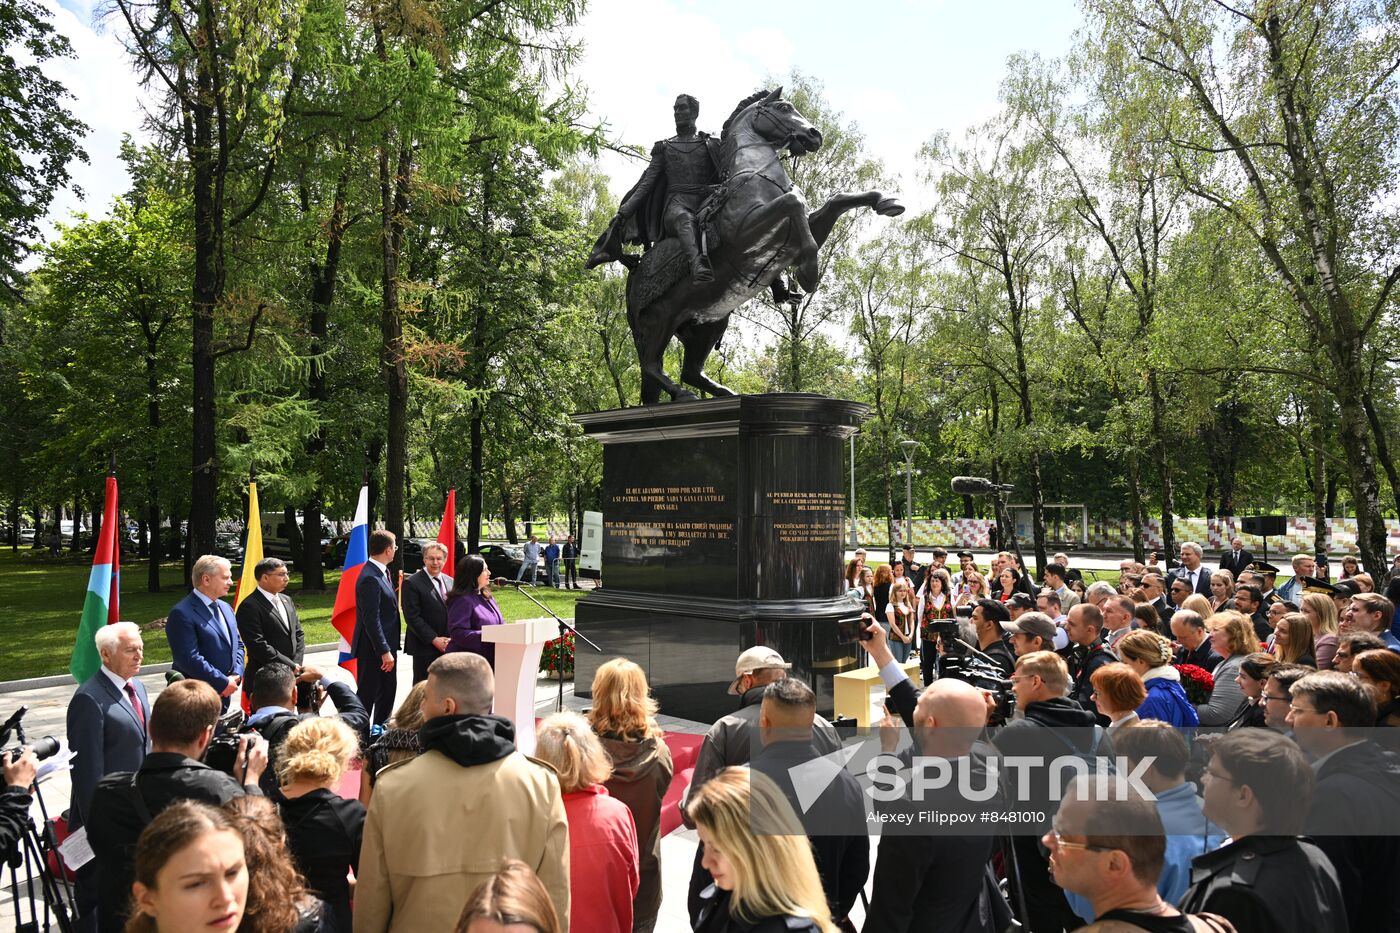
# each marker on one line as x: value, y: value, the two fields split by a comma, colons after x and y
x: 203, y: 632
x: 376, y: 641
x: 268, y: 622
x: 425, y: 610
x: 107, y: 732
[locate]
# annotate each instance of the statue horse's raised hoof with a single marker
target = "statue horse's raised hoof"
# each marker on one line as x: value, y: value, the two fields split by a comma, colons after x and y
x: 889, y: 207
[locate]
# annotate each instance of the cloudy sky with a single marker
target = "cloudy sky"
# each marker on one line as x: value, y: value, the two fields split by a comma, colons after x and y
x: 902, y: 69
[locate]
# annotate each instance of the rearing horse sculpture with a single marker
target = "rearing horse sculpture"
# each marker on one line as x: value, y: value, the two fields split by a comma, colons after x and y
x: 762, y: 227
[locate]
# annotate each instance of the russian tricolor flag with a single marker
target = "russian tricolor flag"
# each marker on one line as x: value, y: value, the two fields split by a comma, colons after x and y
x: 356, y: 553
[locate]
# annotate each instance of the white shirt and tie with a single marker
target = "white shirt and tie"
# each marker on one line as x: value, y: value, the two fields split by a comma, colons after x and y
x: 277, y: 607
x: 218, y: 614
x: 128, y: 693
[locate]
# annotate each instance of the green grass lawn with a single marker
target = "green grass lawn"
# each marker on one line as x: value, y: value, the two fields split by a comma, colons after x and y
x: 41, y: 600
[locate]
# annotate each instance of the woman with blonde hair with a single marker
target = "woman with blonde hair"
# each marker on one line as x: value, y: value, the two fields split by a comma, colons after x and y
x: 1321, y: 612
x: 624, y: 718
x: 1232, y: 636
x: 1150, y: 656
x: 1199, y: 605
x: 512, y: 897
x: 603, y: 874
x: 899, y: 616
x: 1293, y: 640
x: 324, y: 830
x: 766, y: 880
x: 1222, y: 589
x: 974, y: 587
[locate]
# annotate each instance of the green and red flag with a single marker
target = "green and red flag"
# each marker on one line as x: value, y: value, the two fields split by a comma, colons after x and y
x: 102, y: 605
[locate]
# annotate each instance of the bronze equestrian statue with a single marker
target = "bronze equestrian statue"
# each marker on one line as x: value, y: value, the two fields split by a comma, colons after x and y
x: 726, y: 213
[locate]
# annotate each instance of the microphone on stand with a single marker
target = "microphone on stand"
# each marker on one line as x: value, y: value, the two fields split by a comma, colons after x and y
x: 977, y: 486
x: 502, y: 581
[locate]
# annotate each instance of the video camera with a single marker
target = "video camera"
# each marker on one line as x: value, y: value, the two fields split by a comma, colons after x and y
x: 983, y: 676
x: 222, y: 751
x: 45, y: 747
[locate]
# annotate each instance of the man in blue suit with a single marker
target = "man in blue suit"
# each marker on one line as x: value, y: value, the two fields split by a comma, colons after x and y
x: 203, y: 632
x: 376, y: 640
x: 107, y: 732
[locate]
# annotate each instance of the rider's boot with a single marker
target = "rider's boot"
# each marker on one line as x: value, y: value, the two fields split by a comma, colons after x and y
x: 701, y: 270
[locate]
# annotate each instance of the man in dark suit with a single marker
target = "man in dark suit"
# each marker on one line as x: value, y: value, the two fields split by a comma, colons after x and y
x: 1237, y: 558
x: 376, y: 641
x: 268, y: 621
x: 425, y: 610
x: 107, y: 732
x: 1191, y: 570
x: 203, y: 632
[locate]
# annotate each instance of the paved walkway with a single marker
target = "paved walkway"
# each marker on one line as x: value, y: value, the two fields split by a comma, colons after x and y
x: 47, y: 716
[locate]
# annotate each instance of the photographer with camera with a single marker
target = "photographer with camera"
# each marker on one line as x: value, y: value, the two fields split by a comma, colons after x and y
x: 19, y: 770
x: 274, y: 695
x: 182, y: 729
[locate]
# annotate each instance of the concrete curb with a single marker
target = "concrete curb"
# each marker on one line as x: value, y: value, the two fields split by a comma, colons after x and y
x: 66, y: 680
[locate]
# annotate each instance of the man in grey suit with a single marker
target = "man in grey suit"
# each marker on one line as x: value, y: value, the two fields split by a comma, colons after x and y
x: 425, y: 610
x: 107, y: 732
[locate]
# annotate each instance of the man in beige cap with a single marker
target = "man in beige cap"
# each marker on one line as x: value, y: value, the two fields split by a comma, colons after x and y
x: 733, y: 739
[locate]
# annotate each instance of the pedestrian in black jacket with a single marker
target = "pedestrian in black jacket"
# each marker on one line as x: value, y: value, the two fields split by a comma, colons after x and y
x: 181, y: 726
x: 1258, y: 787
x: 1355, y: 814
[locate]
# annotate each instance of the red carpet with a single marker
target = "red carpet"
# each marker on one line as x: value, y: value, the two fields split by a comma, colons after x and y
x: 684, y: 749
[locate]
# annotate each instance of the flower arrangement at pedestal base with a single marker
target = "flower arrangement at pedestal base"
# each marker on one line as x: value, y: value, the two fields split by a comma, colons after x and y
x: 557, y: 657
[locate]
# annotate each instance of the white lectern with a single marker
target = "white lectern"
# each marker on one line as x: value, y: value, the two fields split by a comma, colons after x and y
x: 518, y: 648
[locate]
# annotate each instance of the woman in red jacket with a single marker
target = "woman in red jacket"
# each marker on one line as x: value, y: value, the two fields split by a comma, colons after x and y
x: 603, y: 865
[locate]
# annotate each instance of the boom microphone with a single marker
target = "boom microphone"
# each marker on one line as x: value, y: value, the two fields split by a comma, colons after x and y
x: 977, y: 486
x: 501, y: 581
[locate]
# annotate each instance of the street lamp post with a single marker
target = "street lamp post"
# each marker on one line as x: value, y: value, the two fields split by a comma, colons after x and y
x: 909, y: 448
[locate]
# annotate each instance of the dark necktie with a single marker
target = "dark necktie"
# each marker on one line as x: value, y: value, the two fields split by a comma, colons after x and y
x: 136, y: 705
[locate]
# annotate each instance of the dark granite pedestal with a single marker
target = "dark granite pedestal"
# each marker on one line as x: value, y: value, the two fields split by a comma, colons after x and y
x: 723, y: 523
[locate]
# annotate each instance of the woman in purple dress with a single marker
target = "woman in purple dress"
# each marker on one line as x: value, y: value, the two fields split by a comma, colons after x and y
x: 470, y: 608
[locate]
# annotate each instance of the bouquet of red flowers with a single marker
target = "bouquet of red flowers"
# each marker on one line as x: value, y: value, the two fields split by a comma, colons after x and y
x: 1196, y: 681
x: 557, y: 656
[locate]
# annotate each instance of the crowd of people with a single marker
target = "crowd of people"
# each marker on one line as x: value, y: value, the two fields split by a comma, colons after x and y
x: 1274, y: 797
